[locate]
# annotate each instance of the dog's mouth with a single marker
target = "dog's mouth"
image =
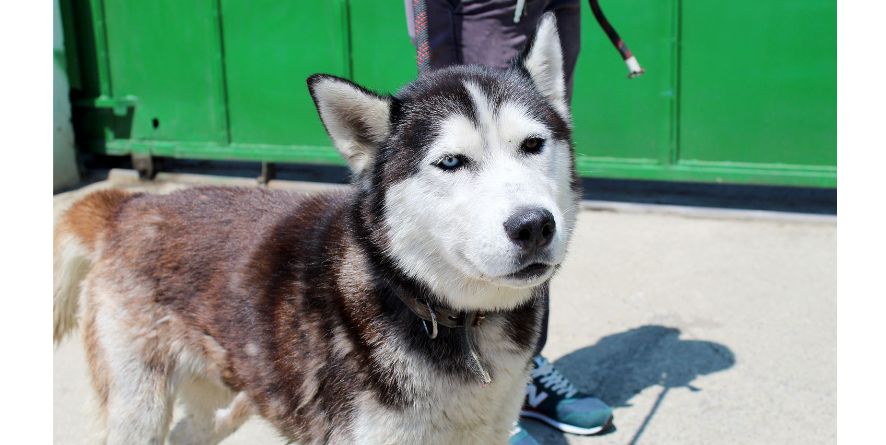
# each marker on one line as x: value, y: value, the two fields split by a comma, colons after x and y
x: 530, y: 272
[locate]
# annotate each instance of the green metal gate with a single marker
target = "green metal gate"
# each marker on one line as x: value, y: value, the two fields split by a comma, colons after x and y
x: 735, y: 92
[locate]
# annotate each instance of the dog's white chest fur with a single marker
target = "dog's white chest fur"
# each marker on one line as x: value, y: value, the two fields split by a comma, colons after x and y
x: 451, y: 410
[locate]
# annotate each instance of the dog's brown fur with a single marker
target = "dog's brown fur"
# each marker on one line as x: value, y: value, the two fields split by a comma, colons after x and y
x: 89, y: 218
x: 76, y: 234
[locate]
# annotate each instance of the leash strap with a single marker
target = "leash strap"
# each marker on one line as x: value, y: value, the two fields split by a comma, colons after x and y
x: 473, y: 358
x: 634, y: 68
x: 433, y: 332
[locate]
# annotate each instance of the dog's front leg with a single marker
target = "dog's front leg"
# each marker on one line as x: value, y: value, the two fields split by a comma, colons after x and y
x: 228, y: 420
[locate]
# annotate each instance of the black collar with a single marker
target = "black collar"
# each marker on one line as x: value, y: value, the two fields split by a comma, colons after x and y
x: 438, y: 314
x: 450, y: 318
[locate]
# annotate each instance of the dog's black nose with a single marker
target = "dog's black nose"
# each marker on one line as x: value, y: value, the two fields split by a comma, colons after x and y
x: 531, y: 228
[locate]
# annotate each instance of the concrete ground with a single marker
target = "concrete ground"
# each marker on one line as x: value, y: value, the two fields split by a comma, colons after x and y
x: 699, y: 327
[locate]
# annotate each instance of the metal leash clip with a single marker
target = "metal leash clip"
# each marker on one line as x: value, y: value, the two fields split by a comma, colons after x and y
x: 432, y: 334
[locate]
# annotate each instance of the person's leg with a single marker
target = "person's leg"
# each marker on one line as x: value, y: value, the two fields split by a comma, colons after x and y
x: 483, y: 32
x: 489, y: 35
x: 435, y: 32
x: 568, y: 13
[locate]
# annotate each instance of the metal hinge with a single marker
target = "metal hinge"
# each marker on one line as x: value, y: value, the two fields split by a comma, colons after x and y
x: 119, y: 105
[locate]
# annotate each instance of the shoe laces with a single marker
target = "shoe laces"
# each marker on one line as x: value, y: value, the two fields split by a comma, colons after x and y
x: 552, y: 379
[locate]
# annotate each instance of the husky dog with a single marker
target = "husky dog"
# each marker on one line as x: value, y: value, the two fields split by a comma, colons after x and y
x: 402, y: 311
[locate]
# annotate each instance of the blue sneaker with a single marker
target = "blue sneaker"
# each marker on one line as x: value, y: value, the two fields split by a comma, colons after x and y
x: 519, y: 436
x: 552, y: 399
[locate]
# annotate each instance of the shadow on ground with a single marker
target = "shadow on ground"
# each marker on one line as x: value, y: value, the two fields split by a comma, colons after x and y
x: 622, y: 365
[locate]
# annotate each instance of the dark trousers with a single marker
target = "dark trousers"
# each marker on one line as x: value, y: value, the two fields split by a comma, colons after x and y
x: 483, y: 32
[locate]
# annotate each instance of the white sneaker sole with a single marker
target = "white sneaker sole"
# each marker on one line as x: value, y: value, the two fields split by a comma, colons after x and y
x: 565, y: 427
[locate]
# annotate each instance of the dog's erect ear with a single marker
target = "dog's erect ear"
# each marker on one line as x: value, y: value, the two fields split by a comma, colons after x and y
x: 543, y: 59
x: 356, y: 119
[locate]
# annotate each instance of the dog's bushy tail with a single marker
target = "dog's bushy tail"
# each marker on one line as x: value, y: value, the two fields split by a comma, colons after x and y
x: 75, y: 241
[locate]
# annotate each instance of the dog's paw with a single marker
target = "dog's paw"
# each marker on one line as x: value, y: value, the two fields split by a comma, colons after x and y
x: 186, y: 432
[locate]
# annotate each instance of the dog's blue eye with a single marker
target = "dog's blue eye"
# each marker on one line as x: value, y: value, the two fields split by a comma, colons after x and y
x: 450, y: 162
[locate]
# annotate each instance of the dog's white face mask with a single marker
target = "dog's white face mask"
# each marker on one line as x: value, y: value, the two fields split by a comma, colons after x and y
x: 486, y: 209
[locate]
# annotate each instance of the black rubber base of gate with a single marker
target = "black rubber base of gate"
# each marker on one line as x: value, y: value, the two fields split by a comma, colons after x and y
x: 749, y: 197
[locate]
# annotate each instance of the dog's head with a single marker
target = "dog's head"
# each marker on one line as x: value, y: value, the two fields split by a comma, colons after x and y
x: 467, y: 173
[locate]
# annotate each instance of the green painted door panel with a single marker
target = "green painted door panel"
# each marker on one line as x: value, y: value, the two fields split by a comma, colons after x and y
x: 616, y: 117
x: 166, y: 53
x: 382, y: 55
x: 758, y: 82
x: 738, y: 92
x: 270, y: 48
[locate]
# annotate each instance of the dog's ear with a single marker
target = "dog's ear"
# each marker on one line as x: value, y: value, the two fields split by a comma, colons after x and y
x: 357, y: 120
x: 543, y: 59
